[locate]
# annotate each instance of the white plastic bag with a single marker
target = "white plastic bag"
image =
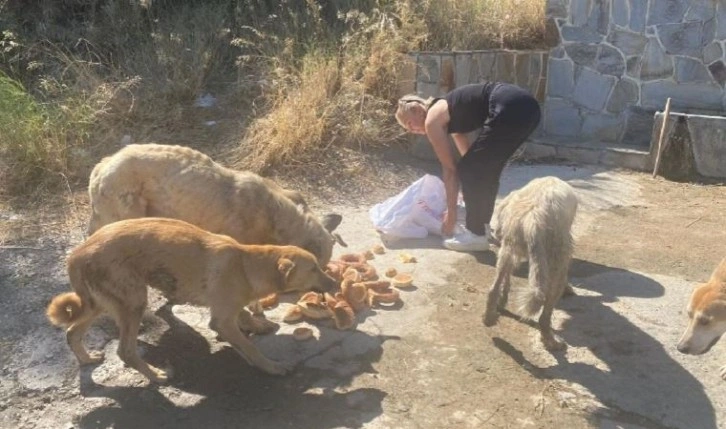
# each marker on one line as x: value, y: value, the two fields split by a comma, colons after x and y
x: 415, y: 212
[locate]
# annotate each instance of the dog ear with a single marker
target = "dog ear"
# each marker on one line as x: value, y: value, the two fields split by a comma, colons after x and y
x: 338, y: 239
x: 331, y: 221
x: 285, y: 265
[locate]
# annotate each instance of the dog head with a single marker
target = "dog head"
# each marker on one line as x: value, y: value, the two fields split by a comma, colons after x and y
x: 707, y: 318
x: 322, y: 238
x: 300, y: 272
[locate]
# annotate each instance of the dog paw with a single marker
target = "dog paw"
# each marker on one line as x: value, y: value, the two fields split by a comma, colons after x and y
x: 159, y: 376
x: 490, y: 318
x: 93, y: 357
x: 263, y: 326
x: 722, y: 370
x: 568, y: 291
x: 554, y: 343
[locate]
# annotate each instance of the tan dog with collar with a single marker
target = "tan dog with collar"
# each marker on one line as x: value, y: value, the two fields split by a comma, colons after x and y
x: 111, y: 270
x: 707, y: 314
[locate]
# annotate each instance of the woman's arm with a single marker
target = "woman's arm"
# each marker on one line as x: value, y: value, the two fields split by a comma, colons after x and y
x: 436, y: 121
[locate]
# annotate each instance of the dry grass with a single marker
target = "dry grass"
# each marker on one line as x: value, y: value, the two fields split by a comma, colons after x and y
x: 294, y: 82
x: 481, y: 24
x: 335, y: 97
x: 319, y: 109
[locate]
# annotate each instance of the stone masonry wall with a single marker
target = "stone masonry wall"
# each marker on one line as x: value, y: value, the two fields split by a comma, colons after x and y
x: 439, y: 72
x: 436, y: 73
x: 617, y: 61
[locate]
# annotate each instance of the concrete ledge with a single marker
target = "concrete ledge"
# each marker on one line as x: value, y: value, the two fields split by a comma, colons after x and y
x: 693, y: 146
x: 594, y: 154
x: 613, y: 156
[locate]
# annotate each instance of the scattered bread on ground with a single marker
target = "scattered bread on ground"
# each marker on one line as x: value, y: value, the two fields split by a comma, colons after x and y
x: 293, y: 314
x: 269, y: 301
x: 407, y: 258
x: 402, y: 280
x: 343, y: 316
x: 360, y: 288
x: 302, y: 333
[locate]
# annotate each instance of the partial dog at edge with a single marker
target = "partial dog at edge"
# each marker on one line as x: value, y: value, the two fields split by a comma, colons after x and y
x: 534, y: 223
x: 707, y: 316
x: 111, y: 270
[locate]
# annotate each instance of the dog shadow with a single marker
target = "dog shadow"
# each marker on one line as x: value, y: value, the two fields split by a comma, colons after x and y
x: 635, y: 377
x: 217, y: 388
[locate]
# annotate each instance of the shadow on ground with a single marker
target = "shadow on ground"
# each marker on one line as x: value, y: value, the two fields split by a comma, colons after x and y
x: 635, y: 377
x: 218, y: 390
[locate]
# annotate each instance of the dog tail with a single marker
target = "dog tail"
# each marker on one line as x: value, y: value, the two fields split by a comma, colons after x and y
x: 70, y: 307
x: 529, y: 302
x: 65, y: 309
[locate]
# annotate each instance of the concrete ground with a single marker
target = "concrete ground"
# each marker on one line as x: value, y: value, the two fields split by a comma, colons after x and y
x: 642, y: 244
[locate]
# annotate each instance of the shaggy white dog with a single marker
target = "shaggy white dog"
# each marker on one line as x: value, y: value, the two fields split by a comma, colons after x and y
x: 534, y: 223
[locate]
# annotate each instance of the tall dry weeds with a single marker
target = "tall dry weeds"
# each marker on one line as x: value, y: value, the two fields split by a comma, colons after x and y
x: 483, y: 24
x: 306, y: 77
x: 340, y: 95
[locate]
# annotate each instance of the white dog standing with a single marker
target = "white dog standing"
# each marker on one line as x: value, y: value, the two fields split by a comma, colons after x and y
x: 534, y: 223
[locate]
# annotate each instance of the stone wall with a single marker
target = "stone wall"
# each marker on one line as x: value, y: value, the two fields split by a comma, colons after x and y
x: 439, y: 72
x: 436, y: 73
x: 617, y: 61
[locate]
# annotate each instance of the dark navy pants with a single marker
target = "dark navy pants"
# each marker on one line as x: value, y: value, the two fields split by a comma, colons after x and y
x: 513, y: 115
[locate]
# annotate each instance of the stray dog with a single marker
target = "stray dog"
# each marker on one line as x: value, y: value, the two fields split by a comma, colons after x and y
x: 534, y: 223
x: 154, y: 180
x: 110, y: 271
x: 707, y: 316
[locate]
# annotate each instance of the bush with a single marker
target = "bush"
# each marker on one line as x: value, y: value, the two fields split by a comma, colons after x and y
x: 39, y: 139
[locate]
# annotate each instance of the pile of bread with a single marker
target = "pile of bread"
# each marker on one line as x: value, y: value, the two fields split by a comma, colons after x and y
x: 360, y: 288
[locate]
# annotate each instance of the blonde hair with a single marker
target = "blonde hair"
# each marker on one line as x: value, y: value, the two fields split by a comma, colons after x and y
x: 406, y: 103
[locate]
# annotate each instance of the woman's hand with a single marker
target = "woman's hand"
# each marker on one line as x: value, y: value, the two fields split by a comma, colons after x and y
x: 447, y: 227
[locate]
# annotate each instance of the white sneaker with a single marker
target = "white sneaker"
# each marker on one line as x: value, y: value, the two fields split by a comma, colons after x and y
x: 466, y: 241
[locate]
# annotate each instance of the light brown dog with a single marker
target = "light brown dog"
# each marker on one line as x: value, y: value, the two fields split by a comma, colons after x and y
x: 111, y: 270
x: 154, y: 180
x: 707, y: 315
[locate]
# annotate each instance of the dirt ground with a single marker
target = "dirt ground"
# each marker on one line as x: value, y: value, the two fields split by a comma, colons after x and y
x: 642, y: 244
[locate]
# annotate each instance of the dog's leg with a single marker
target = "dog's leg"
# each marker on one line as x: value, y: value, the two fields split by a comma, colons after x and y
x: 230, y: 332
x: 504, y: 272
x: 129, y: 321
x: 568, y: 291
x: 505, y: 293
x: 550, y: 340
x: 255, y: 308
x: 256, y: 325
x: 74, y: 337
x: 248, y: 324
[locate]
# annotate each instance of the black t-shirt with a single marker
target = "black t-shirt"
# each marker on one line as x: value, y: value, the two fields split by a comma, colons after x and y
x: 468, y: 106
